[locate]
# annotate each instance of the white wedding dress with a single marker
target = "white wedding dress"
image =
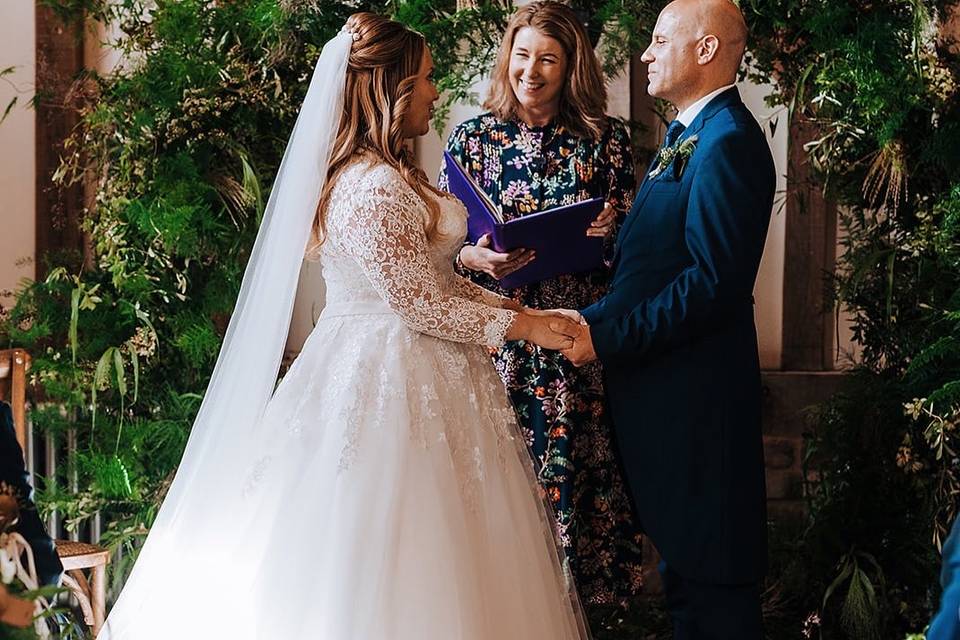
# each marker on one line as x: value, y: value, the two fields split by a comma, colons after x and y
x: 391, y: 497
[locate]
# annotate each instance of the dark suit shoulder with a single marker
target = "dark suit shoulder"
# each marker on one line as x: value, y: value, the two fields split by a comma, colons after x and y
x: 734, y: 134
x: 735, y: 120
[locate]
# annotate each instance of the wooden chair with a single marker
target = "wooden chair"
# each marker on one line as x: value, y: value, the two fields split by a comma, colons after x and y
x: 76, y: 557
x: 91, y: 594
x: 14, y: 364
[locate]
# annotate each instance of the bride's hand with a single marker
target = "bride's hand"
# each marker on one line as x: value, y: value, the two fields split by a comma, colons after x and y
x: 547, y: 331
x: 562, y: 313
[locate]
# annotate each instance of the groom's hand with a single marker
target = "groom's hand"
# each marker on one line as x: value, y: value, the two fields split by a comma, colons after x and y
x: 582, y: 351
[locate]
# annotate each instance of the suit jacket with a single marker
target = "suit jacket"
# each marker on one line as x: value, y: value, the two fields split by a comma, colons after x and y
x: 14, y: 473
x: 946, y: 622
x: 677, y: 339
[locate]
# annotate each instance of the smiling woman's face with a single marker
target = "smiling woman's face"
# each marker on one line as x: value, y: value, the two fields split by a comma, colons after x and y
x: 538, y: 67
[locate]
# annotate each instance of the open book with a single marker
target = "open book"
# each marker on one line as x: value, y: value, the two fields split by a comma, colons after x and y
x: 558, y: 235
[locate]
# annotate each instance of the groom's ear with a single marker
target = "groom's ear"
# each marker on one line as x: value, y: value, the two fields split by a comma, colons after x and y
x: 707, y: 49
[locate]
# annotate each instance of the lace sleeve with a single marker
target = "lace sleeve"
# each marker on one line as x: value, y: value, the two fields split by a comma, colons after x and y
x: 472, y: 291
x: 382, y: 228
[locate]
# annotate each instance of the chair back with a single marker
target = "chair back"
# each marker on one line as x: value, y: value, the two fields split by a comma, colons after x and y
x: 14, y: 364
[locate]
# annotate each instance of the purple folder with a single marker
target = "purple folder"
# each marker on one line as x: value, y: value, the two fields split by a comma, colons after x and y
x: 557, y: 235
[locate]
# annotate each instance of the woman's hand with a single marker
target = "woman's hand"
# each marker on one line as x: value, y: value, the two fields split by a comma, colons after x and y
x: 549, y: 332
x: 561, y: 313
x: 480, y: 257
x: 603, y: 225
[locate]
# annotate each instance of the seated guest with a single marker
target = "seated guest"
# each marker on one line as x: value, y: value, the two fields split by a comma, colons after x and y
x: 946, y: 622
x: 13, y: 472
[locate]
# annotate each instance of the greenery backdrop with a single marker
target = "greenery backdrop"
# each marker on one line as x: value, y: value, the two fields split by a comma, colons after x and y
x: 181, y: 144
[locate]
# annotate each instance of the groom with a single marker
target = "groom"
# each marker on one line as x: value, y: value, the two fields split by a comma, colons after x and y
x: 676, y: 333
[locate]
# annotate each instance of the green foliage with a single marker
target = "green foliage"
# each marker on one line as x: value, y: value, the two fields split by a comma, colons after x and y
x: 881, y: 90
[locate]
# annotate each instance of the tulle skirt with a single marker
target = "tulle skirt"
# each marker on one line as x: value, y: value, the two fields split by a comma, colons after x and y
x: 386, y: 494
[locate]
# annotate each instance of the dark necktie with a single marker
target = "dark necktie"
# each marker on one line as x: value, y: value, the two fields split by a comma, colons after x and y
x: 673, y: 132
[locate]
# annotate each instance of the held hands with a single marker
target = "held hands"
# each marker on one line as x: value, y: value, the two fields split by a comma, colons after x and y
x: 554, y: 332
x: 563, y: 330
x: 548, y: 331
x: 482, y: 258
x: 581, y: 352
x: 603, y: 225
x: 561, y: 313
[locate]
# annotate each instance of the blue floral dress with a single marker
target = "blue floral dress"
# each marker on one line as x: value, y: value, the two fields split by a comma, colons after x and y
x: 561, y: 408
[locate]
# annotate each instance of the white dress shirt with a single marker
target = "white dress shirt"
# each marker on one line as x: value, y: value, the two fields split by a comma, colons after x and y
x: 686, y: 116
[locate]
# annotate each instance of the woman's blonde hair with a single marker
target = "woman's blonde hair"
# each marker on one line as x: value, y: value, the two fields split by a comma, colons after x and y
x: 583, y: 100
x: 381, y: 75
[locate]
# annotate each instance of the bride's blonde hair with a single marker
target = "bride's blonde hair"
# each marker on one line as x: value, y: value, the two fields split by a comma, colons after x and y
x: 381, y: 74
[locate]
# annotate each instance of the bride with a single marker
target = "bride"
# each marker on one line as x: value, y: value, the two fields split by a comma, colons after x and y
x: 382, y: 490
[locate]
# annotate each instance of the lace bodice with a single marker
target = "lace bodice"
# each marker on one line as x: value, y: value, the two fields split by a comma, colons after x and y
x: 376, y: 249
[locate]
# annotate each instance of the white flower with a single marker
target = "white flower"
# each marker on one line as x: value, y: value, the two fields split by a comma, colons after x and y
x: 8, y: 567
x: 679, y: 152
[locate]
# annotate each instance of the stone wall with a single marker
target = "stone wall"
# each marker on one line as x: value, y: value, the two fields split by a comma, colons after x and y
x: 788, y: 397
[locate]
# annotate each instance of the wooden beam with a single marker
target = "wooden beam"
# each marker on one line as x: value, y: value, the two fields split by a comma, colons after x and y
x: 14, y: 364
x: 810, y: 250
x: 59, y: 63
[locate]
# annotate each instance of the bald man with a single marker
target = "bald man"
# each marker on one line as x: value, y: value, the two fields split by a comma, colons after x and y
x: 676, y: 332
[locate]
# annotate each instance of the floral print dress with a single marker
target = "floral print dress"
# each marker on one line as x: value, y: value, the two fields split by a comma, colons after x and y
x: 561, y: 408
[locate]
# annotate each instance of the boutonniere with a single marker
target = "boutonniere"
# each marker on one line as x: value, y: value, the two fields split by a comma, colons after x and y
x: 678, y: 153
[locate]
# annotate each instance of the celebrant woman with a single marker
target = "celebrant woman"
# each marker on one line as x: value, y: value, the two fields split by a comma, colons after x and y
x: 546, y: 141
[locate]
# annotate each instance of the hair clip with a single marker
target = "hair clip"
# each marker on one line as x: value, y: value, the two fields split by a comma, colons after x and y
x: 353, y: 34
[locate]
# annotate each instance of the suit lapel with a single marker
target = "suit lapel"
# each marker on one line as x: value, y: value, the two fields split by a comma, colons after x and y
x: 722, y: 101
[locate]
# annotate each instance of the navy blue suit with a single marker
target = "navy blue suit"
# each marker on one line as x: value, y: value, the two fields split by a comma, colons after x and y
x: 946, y: 622
x: 677, y: 339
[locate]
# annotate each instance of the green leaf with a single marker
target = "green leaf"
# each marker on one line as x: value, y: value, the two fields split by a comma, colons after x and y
x: 251, y: 185
x: 839, y: 580
x: 118, y: 368
x: 799, y: 96
x: 9, y: 108
x: 112, y: 477
x: 891, y: 261
x: 56, y: 274
x: 99, y: 378
x: 946, y: 395
x: 74, y: 318
x: 135, y: 363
